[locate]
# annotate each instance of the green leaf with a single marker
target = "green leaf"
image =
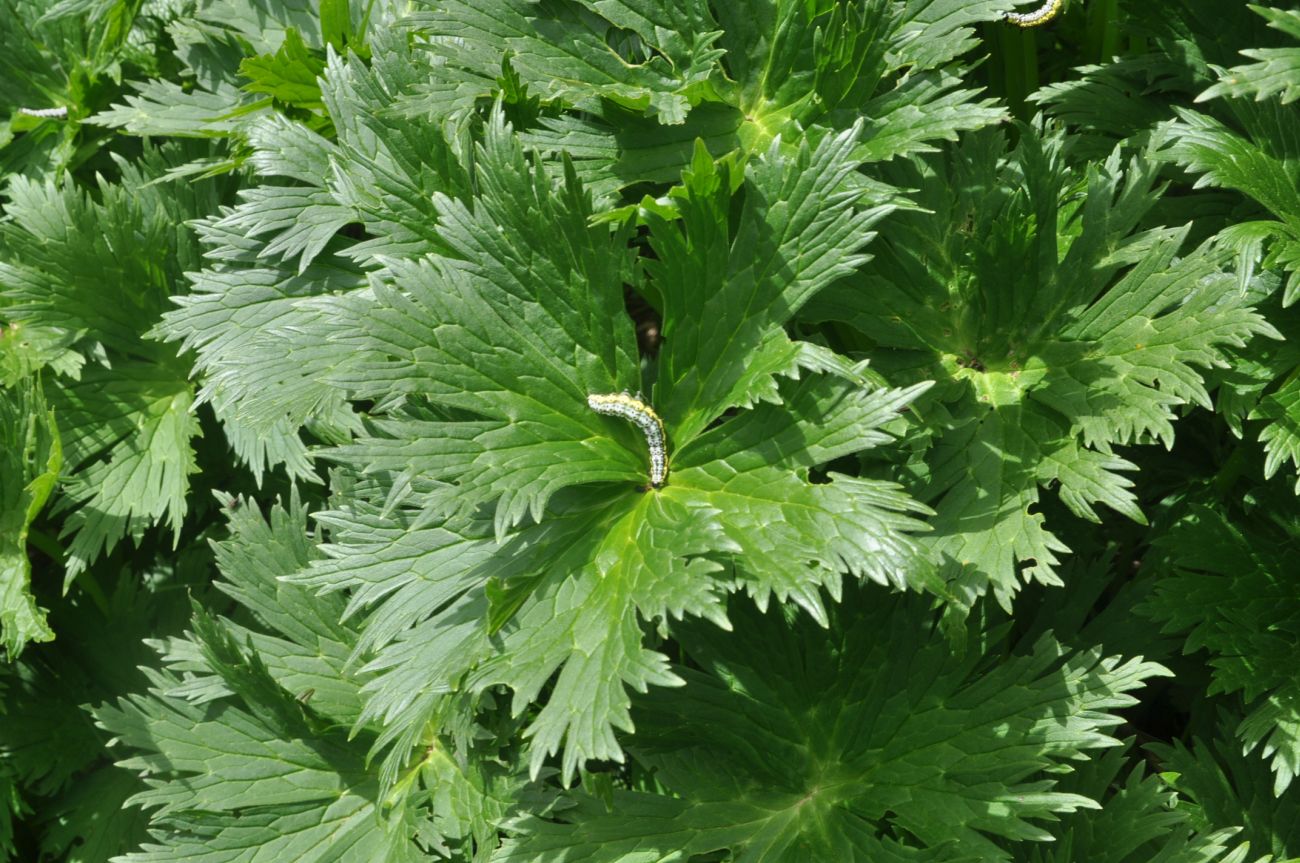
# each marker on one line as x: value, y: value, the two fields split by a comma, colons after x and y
x: 263, y: 24
x: 241, y: 761
x: 528, y: 380
x: 30, y: 460
x: 165, y: 108
x: 128, y: 434
x: 98, y: 272
x: 335, y: 24
x: 645, y: 78
x: 288, y: 75
x: 306, y: 797
x: 610, y: 155
x: 1253, y: 165
x: 88, y: 825
x: 1141, y: 819
x: 308, y: 649
x: 1277, y: 69
x: 1227, y: 158
x: 1056, y: 331
x: 1226, y: 586
x: 870, y: 741
x: 1281, y: 438
x: 799, y: 231
x: 1224, y: 787
x: 651, y: 56
x: 51, y: 748
x: 493, y: 347
x: 63, y: 248
x: 259, y: 316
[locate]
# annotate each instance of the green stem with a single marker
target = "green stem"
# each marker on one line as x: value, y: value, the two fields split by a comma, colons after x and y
x: 1232, y: 468
x: 53, y: 549
x: 1101, y: 37
x: 46, y: 544
x: 1015, y: 62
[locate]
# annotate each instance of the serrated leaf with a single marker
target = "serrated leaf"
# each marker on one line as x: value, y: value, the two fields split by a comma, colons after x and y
x: 1140, y: 820
x: 288, y: 75
x: 660, y: 57
x: 99, y: 272
x: 1277, y: 70
x: 494, y: 346
x: 799, y: 231
x: 129, y: 435
x: 864, y: 742
x: 1251, y: 164
x: 1227, y: 788
x: 165, y: 108
x: 257, y: 316
x: 246, y: 764
x: 31, y: 458
x: 1052, y: 346
x: 307, y: 798
x: 1226, y: 587
x: 738, y: 80
x: 1281, y: 437
x: 88, y: 825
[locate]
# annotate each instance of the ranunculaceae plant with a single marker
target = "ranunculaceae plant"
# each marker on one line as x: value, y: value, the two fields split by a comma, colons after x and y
x: 541, y: 431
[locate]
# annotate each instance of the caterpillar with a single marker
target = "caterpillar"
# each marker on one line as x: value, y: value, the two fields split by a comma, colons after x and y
x: 1041, y: 15
x: 640, y: 414
x: 53, y: 113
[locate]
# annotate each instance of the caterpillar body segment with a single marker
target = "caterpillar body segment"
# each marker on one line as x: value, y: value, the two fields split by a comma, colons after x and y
x: 51, y: 113
x: 1041, y: 15
x: 640, y: 414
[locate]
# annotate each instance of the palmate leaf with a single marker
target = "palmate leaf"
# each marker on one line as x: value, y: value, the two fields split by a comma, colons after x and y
x: 70, y: 57
x: 243, y: 737
x: 1228, y: 587
x: 870, y: 741
x: 1140, y: 819
x: 256, y: 316
x: 1277, y: 70
x: 1261, y: 160
x: 1263, y: 164
x: 48, y: 742
x: 659, y: 63
x: 30, y: 459
x: 736, y: 76
x: 92, y: 276
x: 1052, y: 344
x: 494, y: 346
x: 1222, y: 787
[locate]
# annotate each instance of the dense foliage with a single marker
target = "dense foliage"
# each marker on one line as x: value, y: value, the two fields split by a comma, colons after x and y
x: 974, y: 347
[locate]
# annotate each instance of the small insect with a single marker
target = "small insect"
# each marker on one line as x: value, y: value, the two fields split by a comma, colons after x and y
x: 640, y: 414
x: 1041, y: 15
x: 52, y: 113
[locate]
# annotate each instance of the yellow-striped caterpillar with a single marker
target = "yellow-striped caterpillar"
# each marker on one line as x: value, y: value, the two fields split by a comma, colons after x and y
x: 643, y: 417
x: 1041, y: 15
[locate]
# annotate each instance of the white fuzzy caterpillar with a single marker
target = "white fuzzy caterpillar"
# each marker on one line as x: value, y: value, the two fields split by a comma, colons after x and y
x: 1041, y: 15
x: 52, y: 113
x: 643, y: 417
